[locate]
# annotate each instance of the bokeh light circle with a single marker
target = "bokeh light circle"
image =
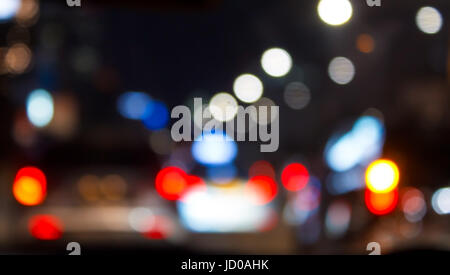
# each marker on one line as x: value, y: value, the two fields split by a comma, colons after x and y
x: 382, y: 176
x: 429, y: 20
x: 440, y: 201
x: 171, y: 183
x: 156, y: 116
x: 30, y: 186
x: 295, y: 177
x: 248, y: 88
x: 133, y: 105
x: 45, y: 227
x: 381, y: 203
x: 212, y: 149
x: 223, y: 107
x: 335, y: 12
x: 276, y: 62
x: 40, y: 108
x: 413, y: 204
x: 341, y: 70
x: 297, y: 95
x: 8, y: 8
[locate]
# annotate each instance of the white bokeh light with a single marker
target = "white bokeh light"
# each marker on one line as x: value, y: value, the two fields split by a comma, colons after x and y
x: 223, y: 107
x: 335, y: 12
x: 429, y: 20
x: 441, y: 201
x: 8, y: 9
x: 248, y: 88
x: 341, y: 70
x: 40, y: 108
x: 276, y: 62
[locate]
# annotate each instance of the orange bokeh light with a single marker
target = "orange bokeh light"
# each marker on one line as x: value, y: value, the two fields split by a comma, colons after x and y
x: 263, y: 188
x: 365, y: 43
x: 30, y: 186
x: 381, y: 203
x: 171, y: 183
x: 295, y: 177
x: 45, y: 227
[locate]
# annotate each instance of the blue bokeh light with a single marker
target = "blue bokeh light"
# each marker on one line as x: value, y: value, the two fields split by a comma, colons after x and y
x: 40, y: 108
x: 359, y: 146
x: 156, y: 116
x: 133, y: 105
x: 213, y: 149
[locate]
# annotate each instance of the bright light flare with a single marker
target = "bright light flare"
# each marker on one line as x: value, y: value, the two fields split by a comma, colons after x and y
x: 382, y: 176
x: 222, y: 209
x: 30, y: 186
x: 335, y: 12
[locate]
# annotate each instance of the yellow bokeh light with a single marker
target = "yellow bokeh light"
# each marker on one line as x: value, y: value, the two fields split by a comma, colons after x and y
x: 28, y: 191
x: 382, y: 176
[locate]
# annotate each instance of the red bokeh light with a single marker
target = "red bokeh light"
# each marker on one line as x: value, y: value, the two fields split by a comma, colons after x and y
x: 262, y: 188
x: 381, y: 203
x: 161, y: 229
x: 195, y: 182
x: 30, y: 186
x: 294, y: 177
x: 171, y: 183
x: 261, y: 168
x: 45, y: 227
